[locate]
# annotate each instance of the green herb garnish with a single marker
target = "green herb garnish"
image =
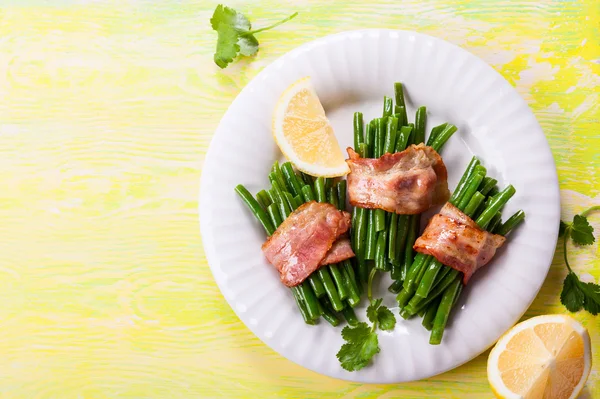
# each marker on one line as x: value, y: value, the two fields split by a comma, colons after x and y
x: 577, y: 295
x: 235, y: 34
x: 361, y: 341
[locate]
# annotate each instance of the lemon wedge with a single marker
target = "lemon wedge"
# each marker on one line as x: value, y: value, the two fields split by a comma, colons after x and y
x: 545, y: 357
x: 304, y: 134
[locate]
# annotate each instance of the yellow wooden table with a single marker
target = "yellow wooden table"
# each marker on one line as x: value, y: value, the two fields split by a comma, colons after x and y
x: 107, y: 109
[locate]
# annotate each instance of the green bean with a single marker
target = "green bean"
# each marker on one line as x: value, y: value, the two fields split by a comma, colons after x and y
x: 445, y: 270
x: 411, y: 236
x: 370, y: 131
x: 473, y: 204
x: 381, y: 124
x: 396, y: 287
x: 274, y: 214
x: 328, y: 183
x: 420, y: 122
x: 320, y: 192
x: 392, y: 239
x: 308, y: 194
x: 403, y: 138
x: 328, y: 315
x: 363, y: 150
x: 341, y: 192
x: 307, y: 178
x: 390, y: 135
x: 363, y: 270
x: 388, y: 106
x: 421, y: 260
x: 403, y: 227
x: 399, y: 94
x: 301, y: 305
x: 290, y: 201
x: 487, y: 184
x: 330, y: 288
x: 310, y: 300
x: 428, y: 279
x: 284, y: 207
x: 404, y: 296
x: 291, y: 179
x: 422, y: 270
x: 332, y: 197
x: 360, y: 235
x: 350, y: 282
x: 339, y: 281
x: 435, y: 132
x: 462, y: 184
x: 470, y: 190
x: 380, y: 251
x: 379, y: 216
x: 494, y: 191
x: 317, y: 285
x: 441, y: 316
x: 417, y: 303
x: 378, y: 139
x: 400, y: 113
x: 430, y: 312
x: 255, y: 208
x: 511, y: 223
x: 495, y: 223
x: 359, y: 135
x: 276, y: 170
x: 263, y: 199
x: 497, y: 202
x: 444, y: 135
x: 371, y: 237
x: 350, y: 316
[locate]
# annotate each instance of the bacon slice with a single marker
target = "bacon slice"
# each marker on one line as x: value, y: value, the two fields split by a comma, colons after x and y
x: 340, y: 250
x: 454, y: 239
x: 407, y: 182
x: 303, y: 240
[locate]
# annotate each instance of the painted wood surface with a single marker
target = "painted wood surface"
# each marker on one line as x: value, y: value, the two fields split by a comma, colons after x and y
x: 107, y: 109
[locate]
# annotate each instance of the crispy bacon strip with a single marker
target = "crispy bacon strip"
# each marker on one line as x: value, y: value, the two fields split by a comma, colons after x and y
x: 340, y: 250
x: 454, y: 239
x: 407, y: 182
x: 303, y: 240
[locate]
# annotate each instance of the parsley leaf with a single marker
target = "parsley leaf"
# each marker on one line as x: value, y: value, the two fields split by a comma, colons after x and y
x: 386, y: 319
x: 227, y: 47
x: 360, y: 347
x: 582, y: 232
x: 372, y: 310
x: 235, y: 34
x: 572, y: 296
x: 575, y: 294
x: 592, y: 297
x: 380, y: 315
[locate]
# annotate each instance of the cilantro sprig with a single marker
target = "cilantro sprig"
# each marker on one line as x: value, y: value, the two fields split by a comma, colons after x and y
x: 577, y: 295
x: 361, y: 341
x: 235, y: 34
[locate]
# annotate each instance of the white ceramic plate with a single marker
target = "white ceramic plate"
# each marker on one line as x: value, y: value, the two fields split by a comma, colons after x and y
x: 352, y: 71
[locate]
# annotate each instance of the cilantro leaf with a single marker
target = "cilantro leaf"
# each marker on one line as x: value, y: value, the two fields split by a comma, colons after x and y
x: 230, y: 17
x: 372, y: 310
x: 582, y: 232
x: 592, y: 297
x: 572, y: 296
x: 227, y: 47
x: 360, y: 347
x: 235, y: 34
x: 386, y: 319
x: 248, y: 44
x: 562, y: 228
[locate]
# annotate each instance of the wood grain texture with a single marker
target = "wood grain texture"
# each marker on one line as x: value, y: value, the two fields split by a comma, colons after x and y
x: 107, y: 109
